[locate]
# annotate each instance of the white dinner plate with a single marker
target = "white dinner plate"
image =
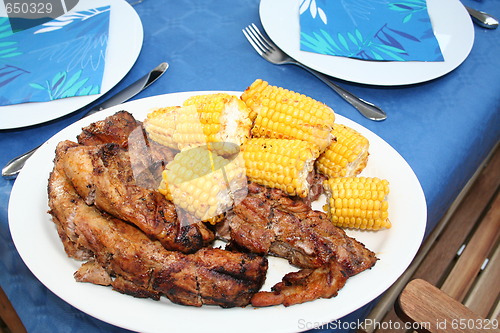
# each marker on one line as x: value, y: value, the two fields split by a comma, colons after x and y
x: 452, y: 27
x: 37, y: 242
x: 124, y: 45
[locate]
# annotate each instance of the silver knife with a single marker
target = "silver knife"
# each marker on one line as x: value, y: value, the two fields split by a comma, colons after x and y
x: 14, y: 166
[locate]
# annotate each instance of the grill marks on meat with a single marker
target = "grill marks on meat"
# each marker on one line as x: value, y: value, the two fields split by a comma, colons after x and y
x: 217, y: 276
x: 102, y: 175
x: 141, y: 267
x: 146, y: 269
x: 268, y: 222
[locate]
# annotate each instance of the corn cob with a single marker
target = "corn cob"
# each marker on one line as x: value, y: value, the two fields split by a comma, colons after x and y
x: 358, y: 202
x: 280, y: 163
x: 346, y: 156
x: 160, y: 125
x: 175, y: 127
x: 203, y: 183
x: 202, y: 119
x: 224, y: 118
x: 284, y: 114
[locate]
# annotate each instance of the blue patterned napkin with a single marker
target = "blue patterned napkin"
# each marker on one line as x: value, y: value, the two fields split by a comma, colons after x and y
x: 61, y: 58
x: 385, y: 30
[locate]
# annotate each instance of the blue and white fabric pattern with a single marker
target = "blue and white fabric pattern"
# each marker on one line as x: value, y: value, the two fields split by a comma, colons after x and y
x: 377, y: 30
x: 61, y: 58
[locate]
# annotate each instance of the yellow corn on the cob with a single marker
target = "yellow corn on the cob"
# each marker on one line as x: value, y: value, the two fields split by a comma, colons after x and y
x: 358, y: 202
x: 284, y: 114
x: 175, y: 127
x: 346, y: 156
x: 203, y: 183
x: 280, y: 163
x: 203, y: 119
x: 224, y: 118
x: 160, y: 125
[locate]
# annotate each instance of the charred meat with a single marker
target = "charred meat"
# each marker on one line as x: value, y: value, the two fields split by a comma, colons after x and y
x: 305, y: 285
x: 114, y: 129
x: 104, y: 202
x: 132, y: 263
x: 269, y: 222
x: 147, y: 157
x: 102, y: 175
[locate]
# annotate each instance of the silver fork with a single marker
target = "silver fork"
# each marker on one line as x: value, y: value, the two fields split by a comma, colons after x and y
x: 272, y: 53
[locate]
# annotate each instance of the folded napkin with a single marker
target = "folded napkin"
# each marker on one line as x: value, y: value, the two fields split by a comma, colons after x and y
x: 61, y: 58
x: 384, y: 30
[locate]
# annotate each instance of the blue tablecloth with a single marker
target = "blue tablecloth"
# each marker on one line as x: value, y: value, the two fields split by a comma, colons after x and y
x: 443, y: 128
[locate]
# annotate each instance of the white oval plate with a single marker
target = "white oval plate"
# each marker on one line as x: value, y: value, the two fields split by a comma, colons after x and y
x: 452, y: 27
x: 37, y: 241
x: 124, y: 46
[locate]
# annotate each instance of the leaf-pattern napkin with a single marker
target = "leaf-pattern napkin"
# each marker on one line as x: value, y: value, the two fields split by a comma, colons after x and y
x: 61, y: 58
x: 379, y: 30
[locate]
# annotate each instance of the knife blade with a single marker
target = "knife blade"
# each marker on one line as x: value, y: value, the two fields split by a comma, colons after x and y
x: 132, y: 90
x: 14, y: 166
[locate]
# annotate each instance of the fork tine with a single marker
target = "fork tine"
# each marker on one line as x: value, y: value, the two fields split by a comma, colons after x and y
x: 256, y: 44
x: 262, y: 38
x: 258, y: 36
x: 250, y: 40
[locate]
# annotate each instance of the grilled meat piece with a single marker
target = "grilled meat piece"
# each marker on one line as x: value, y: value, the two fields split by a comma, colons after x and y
x: 62, y: 206
x: 142, y: 267
x: 147, y: 157
x: 267, y: 221
x: 113, y: 129
x: 209, y: 276
x: 103, y: 176
x: 304, y: 286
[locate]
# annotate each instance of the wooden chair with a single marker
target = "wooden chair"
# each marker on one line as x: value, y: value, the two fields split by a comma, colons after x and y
x: 460, y: 260
x: 434, y: 311
x: 9, y: 316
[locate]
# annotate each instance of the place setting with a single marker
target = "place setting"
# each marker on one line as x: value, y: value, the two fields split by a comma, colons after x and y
x: 66, y: 63
x: 381, y: 58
